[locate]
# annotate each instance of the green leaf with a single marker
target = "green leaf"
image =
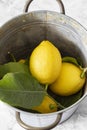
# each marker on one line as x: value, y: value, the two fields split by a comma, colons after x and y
x: 66, y: 101
x: 13, y: 67
x: 71, y: 60
x: 20, y: 89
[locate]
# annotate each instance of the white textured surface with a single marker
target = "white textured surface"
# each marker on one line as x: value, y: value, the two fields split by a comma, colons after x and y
x: 76, y: 9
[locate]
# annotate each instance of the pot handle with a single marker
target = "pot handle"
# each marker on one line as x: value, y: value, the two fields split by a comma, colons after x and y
x: 28, y: 127
x: 61, y: 5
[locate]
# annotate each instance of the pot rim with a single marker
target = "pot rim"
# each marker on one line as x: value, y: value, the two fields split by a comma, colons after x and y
x: 47, y: 114
x: 41, y: 11
x: 80, y: 28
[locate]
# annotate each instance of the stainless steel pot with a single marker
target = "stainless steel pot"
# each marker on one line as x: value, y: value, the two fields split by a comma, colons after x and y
x: 23, y: 33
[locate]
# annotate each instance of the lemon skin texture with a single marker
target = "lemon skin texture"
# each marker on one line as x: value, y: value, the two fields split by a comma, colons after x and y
x: 69, y: 82
x: 21, y: 61
x: 48, y: 105
x: 45, y: 62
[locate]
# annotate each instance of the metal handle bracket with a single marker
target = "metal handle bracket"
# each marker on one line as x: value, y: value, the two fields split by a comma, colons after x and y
x: 28, y: 127
x: 61, y: 5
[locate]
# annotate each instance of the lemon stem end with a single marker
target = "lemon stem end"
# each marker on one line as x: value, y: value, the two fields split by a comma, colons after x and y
x: 83, y: 72
x: 46, y: 87
x: 12, y: 56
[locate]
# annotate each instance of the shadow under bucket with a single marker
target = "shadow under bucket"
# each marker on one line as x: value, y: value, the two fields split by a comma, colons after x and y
x: 23, y: 33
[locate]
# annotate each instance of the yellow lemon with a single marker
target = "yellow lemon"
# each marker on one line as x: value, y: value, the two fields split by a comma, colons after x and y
x: 69, y: 82
x: 22, y: 61
x: 48, y: 105
x: 45, y: 62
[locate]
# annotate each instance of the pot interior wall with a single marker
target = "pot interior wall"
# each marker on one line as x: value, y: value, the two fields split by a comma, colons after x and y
x: 23, y: 39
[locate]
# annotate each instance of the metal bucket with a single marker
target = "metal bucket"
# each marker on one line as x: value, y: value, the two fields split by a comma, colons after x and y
x: 23, y: 33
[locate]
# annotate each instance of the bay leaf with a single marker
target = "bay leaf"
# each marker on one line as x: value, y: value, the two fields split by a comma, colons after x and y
x: 20, y: 89
x: 67, y: 101
x: 13, y: 67
x: 71, y: 60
